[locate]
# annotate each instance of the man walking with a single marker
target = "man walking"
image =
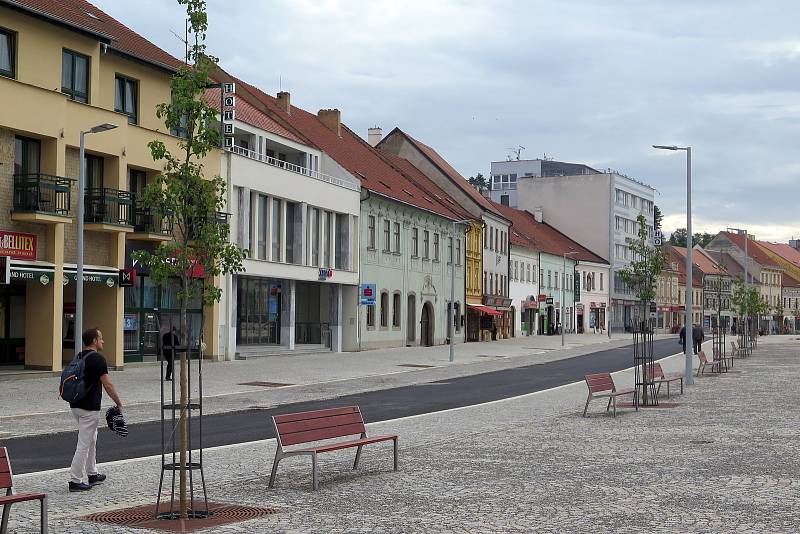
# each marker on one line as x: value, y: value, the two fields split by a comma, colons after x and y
x: 87, y: 412
x: 697, y: 337
x: 682, y: 338
x: 169, y: 341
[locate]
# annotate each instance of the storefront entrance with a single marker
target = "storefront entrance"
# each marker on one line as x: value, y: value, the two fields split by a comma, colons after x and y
x: 258, y: 311
x: 12, y: 324
x: 312, y: 318
x: 426, y: 325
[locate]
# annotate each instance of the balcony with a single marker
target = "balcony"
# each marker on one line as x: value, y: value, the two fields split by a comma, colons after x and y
x: 219, y: 219
x: 149, y: 225
x: 108, y: 210
x: 42, y: 198
x: 291, y: 167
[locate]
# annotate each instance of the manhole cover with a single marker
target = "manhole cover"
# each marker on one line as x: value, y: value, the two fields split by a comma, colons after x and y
x: 266, y: 384
x: 701, y: 441
x: 418, y: 365
x: 142, y: 517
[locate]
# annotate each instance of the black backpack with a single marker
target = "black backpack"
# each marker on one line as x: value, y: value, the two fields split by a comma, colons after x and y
x: 73, y: 388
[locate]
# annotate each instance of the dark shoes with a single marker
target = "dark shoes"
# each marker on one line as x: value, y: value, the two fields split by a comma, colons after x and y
x: 96, y: 479
x: 79, y: 486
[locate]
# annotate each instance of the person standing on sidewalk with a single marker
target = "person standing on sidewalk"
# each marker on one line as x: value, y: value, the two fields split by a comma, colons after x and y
x: 87, y: 413
x: 169, y: 341
x: 697, y: 337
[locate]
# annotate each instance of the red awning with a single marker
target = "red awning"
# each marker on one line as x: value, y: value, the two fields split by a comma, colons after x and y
x: 485, y: 309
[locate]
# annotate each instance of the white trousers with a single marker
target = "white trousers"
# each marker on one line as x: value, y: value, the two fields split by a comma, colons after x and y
x: 85, y: 460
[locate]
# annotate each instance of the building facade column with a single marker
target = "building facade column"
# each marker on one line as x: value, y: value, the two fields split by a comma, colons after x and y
x: 336, y: 318
x: 288, y: 313
x: 44, y: 308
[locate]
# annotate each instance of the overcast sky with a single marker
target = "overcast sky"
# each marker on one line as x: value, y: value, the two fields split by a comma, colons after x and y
x: 582, y: 81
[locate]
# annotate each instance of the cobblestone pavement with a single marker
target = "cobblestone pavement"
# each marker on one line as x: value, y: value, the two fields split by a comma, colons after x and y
x: 31, y: 406
x: 724, y: 460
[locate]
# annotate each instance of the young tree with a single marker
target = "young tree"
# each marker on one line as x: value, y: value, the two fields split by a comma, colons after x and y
x: 678, y: 238
x: 478, y: 182
x: 648, y: 261
x: 747, y: 302
x: 191, y: 202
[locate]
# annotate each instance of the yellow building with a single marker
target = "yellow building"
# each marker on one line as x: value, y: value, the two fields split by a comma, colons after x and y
x: 66, y: 67
x: 474, y: 263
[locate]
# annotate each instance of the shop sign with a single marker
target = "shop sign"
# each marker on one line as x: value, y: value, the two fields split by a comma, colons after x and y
x: 130, y: 323
x: 549, y: 301
x: 325, y: 274
x: 577, y: 295
x: 530, y: 304
x: 602, y: 304
x: 31, y: 275
x: 127, y: 277
x: 367, y: 294
x: 17, y: 245
x: 579, y: 308
x: 498, y: 302
x: 542, y: 297
x: 106, y: 279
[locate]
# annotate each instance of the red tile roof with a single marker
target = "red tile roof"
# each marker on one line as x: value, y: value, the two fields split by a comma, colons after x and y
x: 753, y: 250
x: 83, y: 15
x: 678, y: 255
x: 526, y: 231
x: 248, y: 114
x: 783, y: 250
x: 789, y: 281
x: 700, y: 260
x: 451, y: 173
x: 359, y: 158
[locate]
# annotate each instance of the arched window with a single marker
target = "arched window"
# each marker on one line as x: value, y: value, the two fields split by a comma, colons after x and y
x: 384, y: 309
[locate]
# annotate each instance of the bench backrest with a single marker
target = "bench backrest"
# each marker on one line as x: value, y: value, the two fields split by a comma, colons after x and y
x: 657, y: 371
x: 702, y: 357
x: 733, y: 345
x: 5, y: 470
x: 302, y: 427
x: 600, y: 382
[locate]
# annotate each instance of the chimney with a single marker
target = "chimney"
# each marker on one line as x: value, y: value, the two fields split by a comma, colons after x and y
x: 537, y: 213
x: 374, y: 135
x: 284, y: 101
x: 332, y: 118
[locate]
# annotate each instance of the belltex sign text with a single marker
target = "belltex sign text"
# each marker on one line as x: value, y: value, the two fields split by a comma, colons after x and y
x: 18, y: 246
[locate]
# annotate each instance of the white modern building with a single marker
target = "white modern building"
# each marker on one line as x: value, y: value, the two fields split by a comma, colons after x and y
x: 296, y: 213
x: 599, y: 211
x: 505, y: 174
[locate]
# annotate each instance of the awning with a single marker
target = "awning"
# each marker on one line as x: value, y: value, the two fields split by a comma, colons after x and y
x: 485, y: 309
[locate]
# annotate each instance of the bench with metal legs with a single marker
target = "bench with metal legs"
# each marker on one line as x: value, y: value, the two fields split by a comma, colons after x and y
x: 601, y: 385
x: 10, y: 497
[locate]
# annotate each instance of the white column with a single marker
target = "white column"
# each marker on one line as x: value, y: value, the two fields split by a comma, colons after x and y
x: 336, y: 318
x: 288, y: 313
x: 283, y: 231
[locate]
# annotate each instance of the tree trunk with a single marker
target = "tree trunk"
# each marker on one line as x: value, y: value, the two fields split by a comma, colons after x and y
x: 183, y: 422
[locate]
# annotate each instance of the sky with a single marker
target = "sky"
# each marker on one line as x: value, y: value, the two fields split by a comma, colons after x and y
x: 582, y: 81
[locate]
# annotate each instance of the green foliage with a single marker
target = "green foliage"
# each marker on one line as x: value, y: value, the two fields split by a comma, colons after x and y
x: 181, y: 193
x: 478, y: 182
x: 648, y: 261
x: 678, y: 238
x: 747, y: 302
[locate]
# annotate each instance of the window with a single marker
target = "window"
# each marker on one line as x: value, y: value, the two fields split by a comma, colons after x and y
x: 396, y: 310
x: 8, y: 53
x: 549, y: 279
x: 515, y: 272
x: 125, y: 97
x: 75, y: 76
x: 370, y: 316
x: 458, y: 251
x: 435, y: 247
x: 293, y: 228
x: 491, y: 239
x: 414, y: 242
x: 94, y: 172
x: 601, y: 281
x: 315, y: 222
x: 276, y: 229
x: 326, y: 236
x: 425, y: 245
x: 371, y: 232
x: 396, y: 238
x: 387, y: 231
x: 496, y: 239
x: 27, y: 155
x: 528, y: 273
x: 541, y: 279
x: 556, y: 276
x: 449, y: 250
x: 384, y: 309
x: 342, y: 244
x: 262, y: 227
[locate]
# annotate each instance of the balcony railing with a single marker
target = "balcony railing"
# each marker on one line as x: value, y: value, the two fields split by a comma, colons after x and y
x: 292, y: 167
x: 109, y: 206
x: 219, y: 218
x: 149, y: 221
x: 42, y: 193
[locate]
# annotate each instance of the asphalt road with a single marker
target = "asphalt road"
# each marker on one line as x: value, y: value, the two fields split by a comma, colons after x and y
x: 52, y: 451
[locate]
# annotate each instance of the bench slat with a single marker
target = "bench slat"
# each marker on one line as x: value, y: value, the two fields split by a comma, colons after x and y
x: 302, y: 416
x: 353, y: 443
x: 5, y: 481
x: 321, y: 434
x: 319, y: 423
x: 21, y: 497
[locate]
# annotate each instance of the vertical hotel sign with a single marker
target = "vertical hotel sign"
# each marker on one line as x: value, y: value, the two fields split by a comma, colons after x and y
x: 228, y: 111
x: 17, y: 245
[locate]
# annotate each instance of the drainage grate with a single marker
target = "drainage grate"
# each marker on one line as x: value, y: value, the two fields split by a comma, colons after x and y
x: 142, y: 517
x: 489, y: 356
x: 266, y: 384
x: 418, y: 365
x: 701, y: 441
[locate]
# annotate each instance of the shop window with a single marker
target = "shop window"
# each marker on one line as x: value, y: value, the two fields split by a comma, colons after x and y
x: 384, y: 310
x: 396, y: 310
x: 125, y: 97
x: 8, y: 53
x: 75, y: 76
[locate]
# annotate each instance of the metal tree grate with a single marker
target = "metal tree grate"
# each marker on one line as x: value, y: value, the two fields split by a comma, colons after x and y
x: 646, y: 393
x: 142, y: 517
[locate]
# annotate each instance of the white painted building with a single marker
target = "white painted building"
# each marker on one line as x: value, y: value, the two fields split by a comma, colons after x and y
x: 524, y: 287
x: 599, y: 211
x: 592, y: 307
x: 505, y: 175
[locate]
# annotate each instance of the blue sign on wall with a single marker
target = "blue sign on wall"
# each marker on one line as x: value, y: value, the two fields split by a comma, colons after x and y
x: 367, y: 294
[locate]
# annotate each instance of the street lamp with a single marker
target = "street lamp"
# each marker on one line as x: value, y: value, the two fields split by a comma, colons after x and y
x: 78, y: 329
x: 689, y: 305
x: 453, y: 287
x: 563, y: 293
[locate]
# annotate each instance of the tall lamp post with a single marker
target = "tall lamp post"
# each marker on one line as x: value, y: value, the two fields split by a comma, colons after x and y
x: 453, y: 287
x: 78, y: 330
x: 564, y: 293
x: 689, y: 305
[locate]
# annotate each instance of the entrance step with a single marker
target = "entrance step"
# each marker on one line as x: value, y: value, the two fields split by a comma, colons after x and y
x: 248, y: 352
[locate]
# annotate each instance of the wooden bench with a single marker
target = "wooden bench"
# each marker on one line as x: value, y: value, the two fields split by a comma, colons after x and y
x: 306, y: 427
x: 701, y: 369
x: 10, y: 497
x: 601, y: 385
x: 660, y: 377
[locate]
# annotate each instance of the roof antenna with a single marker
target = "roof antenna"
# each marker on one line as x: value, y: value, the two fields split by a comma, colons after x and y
x: 184, y: 40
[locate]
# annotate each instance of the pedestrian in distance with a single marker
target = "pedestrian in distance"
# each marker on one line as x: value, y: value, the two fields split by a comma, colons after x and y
x: 86, y: 411
x: 697, y: 337
x: 169, y: 341
x: 682, y: 338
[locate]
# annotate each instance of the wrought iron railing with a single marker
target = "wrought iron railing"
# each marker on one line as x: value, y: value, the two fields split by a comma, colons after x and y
x: 151, y: 221
x: 109, y: 206
x: 42, y: 193
x: 219, y: 218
